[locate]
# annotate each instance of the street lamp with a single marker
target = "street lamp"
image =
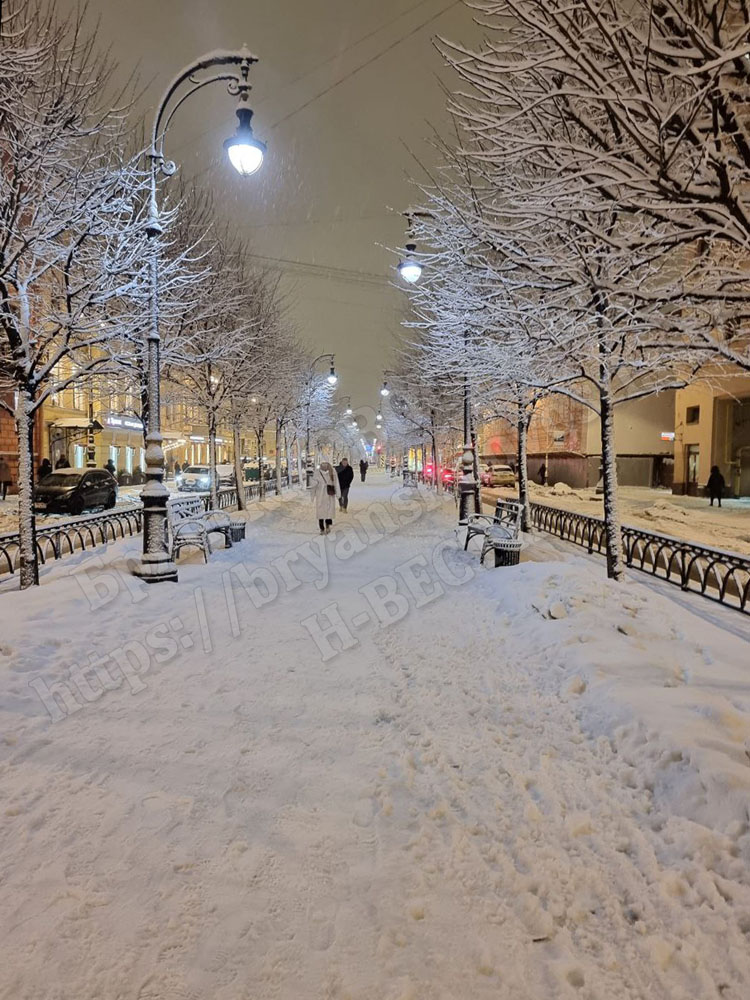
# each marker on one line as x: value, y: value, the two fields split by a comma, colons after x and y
x: 385, y: 391
x: 409, y: 268
x: 244, y: 150
x: 468, y: 487
x: 332, y: 379
x: 246, y: 155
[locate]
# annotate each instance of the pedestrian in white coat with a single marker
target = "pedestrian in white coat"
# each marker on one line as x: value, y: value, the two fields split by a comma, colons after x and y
x: 325, y: 491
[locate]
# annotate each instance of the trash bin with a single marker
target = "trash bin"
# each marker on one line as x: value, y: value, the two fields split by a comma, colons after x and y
x: 507, y: 552
x: 237, y: 530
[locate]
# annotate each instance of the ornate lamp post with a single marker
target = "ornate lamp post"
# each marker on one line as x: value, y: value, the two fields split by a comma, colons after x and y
x: 468, y: 487
x: 332, y: 378
x: 245, y: 153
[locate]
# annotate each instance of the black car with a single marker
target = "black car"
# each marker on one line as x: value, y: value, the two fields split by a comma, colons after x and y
x: 76, y: 490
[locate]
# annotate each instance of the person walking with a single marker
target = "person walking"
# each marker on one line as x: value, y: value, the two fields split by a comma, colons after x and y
x: 62, y: 462
x: 324, y: 490
x: 543, y: 474
x: 5, y: 478
x: 363, y: 467
x: 346, y: 476
x: 110, y: 467
x: 715, y: 484
x: 45, y: 469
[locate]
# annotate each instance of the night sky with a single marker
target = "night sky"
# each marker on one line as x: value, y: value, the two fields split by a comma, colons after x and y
x: 343, y: 93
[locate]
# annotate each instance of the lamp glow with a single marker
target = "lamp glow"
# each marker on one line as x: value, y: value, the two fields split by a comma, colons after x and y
x: 245, y: 152
x: 409, y: 268
x: 332, y: 376
x: 385, y: 391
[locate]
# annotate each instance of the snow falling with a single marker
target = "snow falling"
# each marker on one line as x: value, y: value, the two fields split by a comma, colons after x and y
x: 271, y: 727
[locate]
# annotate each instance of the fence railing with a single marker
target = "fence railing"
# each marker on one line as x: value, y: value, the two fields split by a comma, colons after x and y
x: 66, y: 537
x: 85, y: 532
x: 720, y: 576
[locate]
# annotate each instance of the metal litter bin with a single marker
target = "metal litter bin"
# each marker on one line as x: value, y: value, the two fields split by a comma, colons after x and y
x: 237, y: 530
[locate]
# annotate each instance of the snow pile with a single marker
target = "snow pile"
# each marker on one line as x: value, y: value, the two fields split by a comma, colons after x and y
x: 561, y: 490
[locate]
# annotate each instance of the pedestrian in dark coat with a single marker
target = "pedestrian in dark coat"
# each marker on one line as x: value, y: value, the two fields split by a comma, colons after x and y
x: 45, y: 469
x: 5, y: 478
x: 715, y: 485
x: 62, y: 462
x: 363, y: 467
x: 543, y: 474
x: 346, y: 474
x: 110, y: 467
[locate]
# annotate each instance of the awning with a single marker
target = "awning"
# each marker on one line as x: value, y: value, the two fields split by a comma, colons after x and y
x: 81, y: 423
x: 172, y: 436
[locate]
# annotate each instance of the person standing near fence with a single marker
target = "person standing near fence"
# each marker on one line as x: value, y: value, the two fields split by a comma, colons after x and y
x: 5, y: 478
x: 715, y: 485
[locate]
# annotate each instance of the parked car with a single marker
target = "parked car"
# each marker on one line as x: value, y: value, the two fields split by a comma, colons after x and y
x: 75, y: 490
x: 498, y: 475
x: 197, y: 478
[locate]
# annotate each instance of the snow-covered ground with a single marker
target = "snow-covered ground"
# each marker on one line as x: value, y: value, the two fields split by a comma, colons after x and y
x: 524, y: 783
x: 690, y: 518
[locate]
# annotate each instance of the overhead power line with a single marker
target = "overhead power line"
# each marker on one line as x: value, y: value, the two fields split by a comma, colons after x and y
x: 312, y: 270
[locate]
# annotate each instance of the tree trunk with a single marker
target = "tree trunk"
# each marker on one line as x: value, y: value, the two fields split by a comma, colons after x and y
x: 612, y: 526
x: 212, y: 460
x: 28, y: 559
x: 288, y: 459
x: 278, y: 456
x: 522, y: 426
x: 300, y: 467
x: 238, y: 476
x: 261, y: 481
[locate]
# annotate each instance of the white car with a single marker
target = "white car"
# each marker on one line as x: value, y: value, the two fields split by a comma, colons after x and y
x: 197, y: 478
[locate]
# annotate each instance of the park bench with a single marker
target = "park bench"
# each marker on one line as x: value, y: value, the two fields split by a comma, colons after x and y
x: 500, y: 532
x: 190, y: 532
x: 192, y: 526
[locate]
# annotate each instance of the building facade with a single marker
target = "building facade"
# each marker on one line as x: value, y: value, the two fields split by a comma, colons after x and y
x: 565, y: 437
x: 712, y: 427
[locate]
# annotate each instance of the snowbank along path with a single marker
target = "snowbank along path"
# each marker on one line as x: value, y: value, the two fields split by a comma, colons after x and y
x: 359, y: 767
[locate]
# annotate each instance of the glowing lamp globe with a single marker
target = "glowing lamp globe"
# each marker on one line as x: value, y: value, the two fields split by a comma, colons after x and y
x: 332, y: 377
x: 410, y: 269
x: 245, y: 152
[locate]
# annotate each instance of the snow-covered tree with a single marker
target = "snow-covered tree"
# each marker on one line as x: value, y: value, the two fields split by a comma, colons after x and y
x: 71, y: 231
x: 636, y: 110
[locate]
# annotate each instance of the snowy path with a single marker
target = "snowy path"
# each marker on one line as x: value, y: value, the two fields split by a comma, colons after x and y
x: 470, y: 802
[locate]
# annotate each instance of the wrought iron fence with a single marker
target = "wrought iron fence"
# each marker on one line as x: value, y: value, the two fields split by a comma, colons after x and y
x: 66, y: 537
x: 87, y: 531
x: 720, y: 576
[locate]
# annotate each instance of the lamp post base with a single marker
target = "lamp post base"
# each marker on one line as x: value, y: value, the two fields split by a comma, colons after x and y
x: 156, y: 564
x: 154, y: 569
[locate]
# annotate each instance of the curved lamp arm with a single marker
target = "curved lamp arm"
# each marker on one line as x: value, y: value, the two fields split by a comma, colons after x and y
x: 237, y: 85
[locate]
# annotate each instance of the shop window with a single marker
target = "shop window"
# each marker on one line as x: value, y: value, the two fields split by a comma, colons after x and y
x: 78, y: 461
x: 129, y: 459
x: 692, y: 415
x: 113, y: 454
